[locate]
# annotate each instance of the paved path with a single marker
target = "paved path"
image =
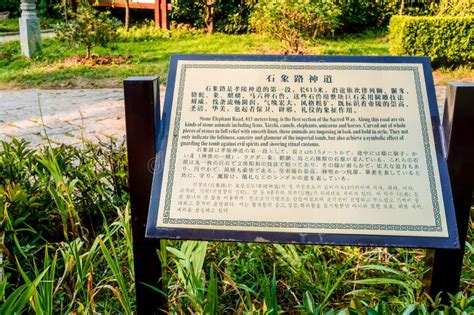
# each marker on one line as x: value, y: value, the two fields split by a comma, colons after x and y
x: 6, y: 38
x: 64, y: 116
x: 69, y: 116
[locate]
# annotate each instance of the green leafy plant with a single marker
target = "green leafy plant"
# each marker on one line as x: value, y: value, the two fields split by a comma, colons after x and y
x: 82, y: 187
x: 41, y: 300
x: 18, y: 300
x: 228, y: 16
x: 447, y: 41
x: 61, y: 190
x: 456, y: 8
x: 189, y: 260
x: 406, y: 285
x: 13, y: 6
x: 293, y: 21
x: 88, y: 28
x: 366, y: 14
x: 113, y: 255
x: 47, y: 273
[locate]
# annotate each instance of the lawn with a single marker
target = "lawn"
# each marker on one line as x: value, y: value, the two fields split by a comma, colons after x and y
x: 147, y: 51
x: 9, y: 25
x: 148, y: 54
x: 12, y: 25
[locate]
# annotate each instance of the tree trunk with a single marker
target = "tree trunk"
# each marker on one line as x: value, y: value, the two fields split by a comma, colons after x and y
x: 74, y: 5
x: 64, y: 3
x: 209, y: 18
x: 402, y: 7
x: 127, y: 15
x: 88, y: 52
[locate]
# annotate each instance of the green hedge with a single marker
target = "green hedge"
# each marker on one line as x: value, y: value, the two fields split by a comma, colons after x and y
x: 446, y: 40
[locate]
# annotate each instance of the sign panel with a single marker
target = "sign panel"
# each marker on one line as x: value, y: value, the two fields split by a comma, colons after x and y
x: 302, y: 149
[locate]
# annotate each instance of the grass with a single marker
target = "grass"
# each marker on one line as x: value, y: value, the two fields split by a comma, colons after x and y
x: 9, y: 25
x: 67, y: 231
x: 444, y: 75
x: 150, y: 49
x: 66, y: 222
x: 150, y: 56
x: 12, y: 25
x: 368, y: 43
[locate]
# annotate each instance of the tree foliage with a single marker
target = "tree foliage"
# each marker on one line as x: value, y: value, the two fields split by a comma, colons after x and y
x: 456, y: 8
x: 13, y: 6
x: 293, y: 21
x: 88, y: 28
x: 229, y: 16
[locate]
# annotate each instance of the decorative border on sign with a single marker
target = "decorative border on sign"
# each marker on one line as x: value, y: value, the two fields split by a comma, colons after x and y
x: 303, y: 225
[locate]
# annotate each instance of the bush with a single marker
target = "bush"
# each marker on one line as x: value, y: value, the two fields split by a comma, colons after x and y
x: 89, y: 28
x: 67, y: 235
x: 363, y: 14
x: 93, y: 273
x: 293, y: 21
x: 447, y: 41
x: 44, y: 8
x: 231, y: 16
x: 13, y: 6
x: 187, y: 12
x: 30, y: 179
x: 456, y: 8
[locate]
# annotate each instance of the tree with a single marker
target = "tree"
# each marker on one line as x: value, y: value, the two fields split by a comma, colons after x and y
x: 88, y: 28
x: 293, y: 21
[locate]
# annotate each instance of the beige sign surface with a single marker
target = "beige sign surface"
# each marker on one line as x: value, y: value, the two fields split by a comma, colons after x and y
x: 342, y: 148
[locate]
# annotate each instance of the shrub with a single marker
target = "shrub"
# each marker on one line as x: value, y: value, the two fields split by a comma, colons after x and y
x: 44, y: 8
x: 363, y: 14
x: 13, y: 6
x: 187, y: 12
x: 359, y: 15
x: 230, y: 16
x: 46, y: 195
x: 446, y: 40
x: 456, y: 8
x: 88, y: 28
x: 293, y: 21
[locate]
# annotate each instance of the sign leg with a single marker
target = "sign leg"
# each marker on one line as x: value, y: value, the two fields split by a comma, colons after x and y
x: 458, y: 125
x: 142, y: 110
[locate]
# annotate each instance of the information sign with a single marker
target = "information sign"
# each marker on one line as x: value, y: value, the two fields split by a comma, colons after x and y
x: 338, y: 150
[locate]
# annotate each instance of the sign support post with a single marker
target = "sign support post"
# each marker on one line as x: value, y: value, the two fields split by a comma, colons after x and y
x: 142, y: 108
x: 458, y: 125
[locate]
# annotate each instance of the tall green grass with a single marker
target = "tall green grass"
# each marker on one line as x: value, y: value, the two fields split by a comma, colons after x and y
x: 53, y: 268
x: 67, y: 232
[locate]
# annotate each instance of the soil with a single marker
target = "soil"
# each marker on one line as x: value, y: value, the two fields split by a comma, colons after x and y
x: 441, y: 78
x: 96, y: 60
x: 82, y: 83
